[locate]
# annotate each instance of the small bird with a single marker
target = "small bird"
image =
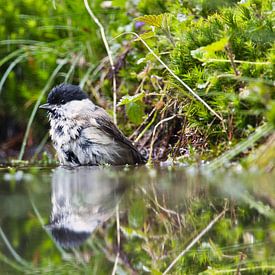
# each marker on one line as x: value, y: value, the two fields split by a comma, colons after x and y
x: 83, y: 133
x: 83, y: 199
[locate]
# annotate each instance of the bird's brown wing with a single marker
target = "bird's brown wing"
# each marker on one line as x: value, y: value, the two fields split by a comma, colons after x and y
x: 108, y: 127
x: 99, y: 128
x: 103, y: 122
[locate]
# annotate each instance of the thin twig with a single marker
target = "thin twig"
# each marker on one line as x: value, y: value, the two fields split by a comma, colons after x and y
x: 173, y: 74
x: 118, y: 239
x: 156, y: 202
x: 154, y: 133
x: 102, y: 32
x: 148, y: 125
x: 231, y: 57
x: 199, y: 236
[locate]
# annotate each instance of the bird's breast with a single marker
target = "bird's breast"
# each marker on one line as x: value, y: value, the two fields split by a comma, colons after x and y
x: 64, y: 131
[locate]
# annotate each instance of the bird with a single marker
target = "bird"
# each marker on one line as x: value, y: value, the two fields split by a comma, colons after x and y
x: 82, y: 199
x: 83, y: 133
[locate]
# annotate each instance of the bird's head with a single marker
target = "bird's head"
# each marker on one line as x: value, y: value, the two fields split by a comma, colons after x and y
x: 61, y: 95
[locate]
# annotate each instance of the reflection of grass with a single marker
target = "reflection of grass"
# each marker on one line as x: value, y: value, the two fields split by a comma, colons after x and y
x: 11, y: 263
x: 16, y: 256
x: 195, y: 241
x: 64, y: 254
x: 262, y: 268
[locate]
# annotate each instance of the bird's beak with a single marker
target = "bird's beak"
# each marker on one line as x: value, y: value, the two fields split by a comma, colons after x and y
x: 46, y: 106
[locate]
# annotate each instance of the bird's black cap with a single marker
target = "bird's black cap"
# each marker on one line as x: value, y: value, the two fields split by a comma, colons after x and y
x: 67, y: 238
x: 64, y: 93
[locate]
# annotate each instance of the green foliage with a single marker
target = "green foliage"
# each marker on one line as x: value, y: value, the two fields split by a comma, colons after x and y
x: 135, y: 112
x: 271, y: 112
x: 130, y: 99
x: 152, y: 20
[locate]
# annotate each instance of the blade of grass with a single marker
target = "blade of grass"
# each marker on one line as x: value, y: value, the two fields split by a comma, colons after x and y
x: 72, y: 68
x: 252, y: 269
x: 10, y: 68
x: 102, y: 31
x: 95, y: 71
x: 11, y: 263
x: 260, y: 132
x: 147, y: 126
x: 10, y: 56
x: 238, y: 61
x: 85, y: 77
x: 57, y: 27
x: 118, y: 239
x: 153, y: 136
x: 40, y: 146
x: 35, y: 108
x: 19, y: 41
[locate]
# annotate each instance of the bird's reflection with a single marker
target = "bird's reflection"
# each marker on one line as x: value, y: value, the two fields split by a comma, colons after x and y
x: 82, y: 199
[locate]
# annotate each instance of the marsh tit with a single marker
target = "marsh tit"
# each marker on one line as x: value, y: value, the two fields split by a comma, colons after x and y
x: 83, y: 133
x: 83, y: 199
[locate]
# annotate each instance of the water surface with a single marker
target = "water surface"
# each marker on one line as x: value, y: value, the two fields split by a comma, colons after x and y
x: 64, y: 221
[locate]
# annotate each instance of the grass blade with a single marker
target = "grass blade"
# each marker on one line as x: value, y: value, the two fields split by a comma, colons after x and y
x: 240, y: 147
x: 10, y: 68
x: 45, y: 89
x: 10, y: 56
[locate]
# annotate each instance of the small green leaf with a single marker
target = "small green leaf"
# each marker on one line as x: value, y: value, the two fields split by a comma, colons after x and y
x: 145, y: 35
x: 128, y: 99
x: 152, y: 20
x: 207, y: 52
x: 130, y: 233
x: 135, y: 112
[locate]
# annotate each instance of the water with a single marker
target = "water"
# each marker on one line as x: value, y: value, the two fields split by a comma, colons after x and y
x: 64, y: 221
